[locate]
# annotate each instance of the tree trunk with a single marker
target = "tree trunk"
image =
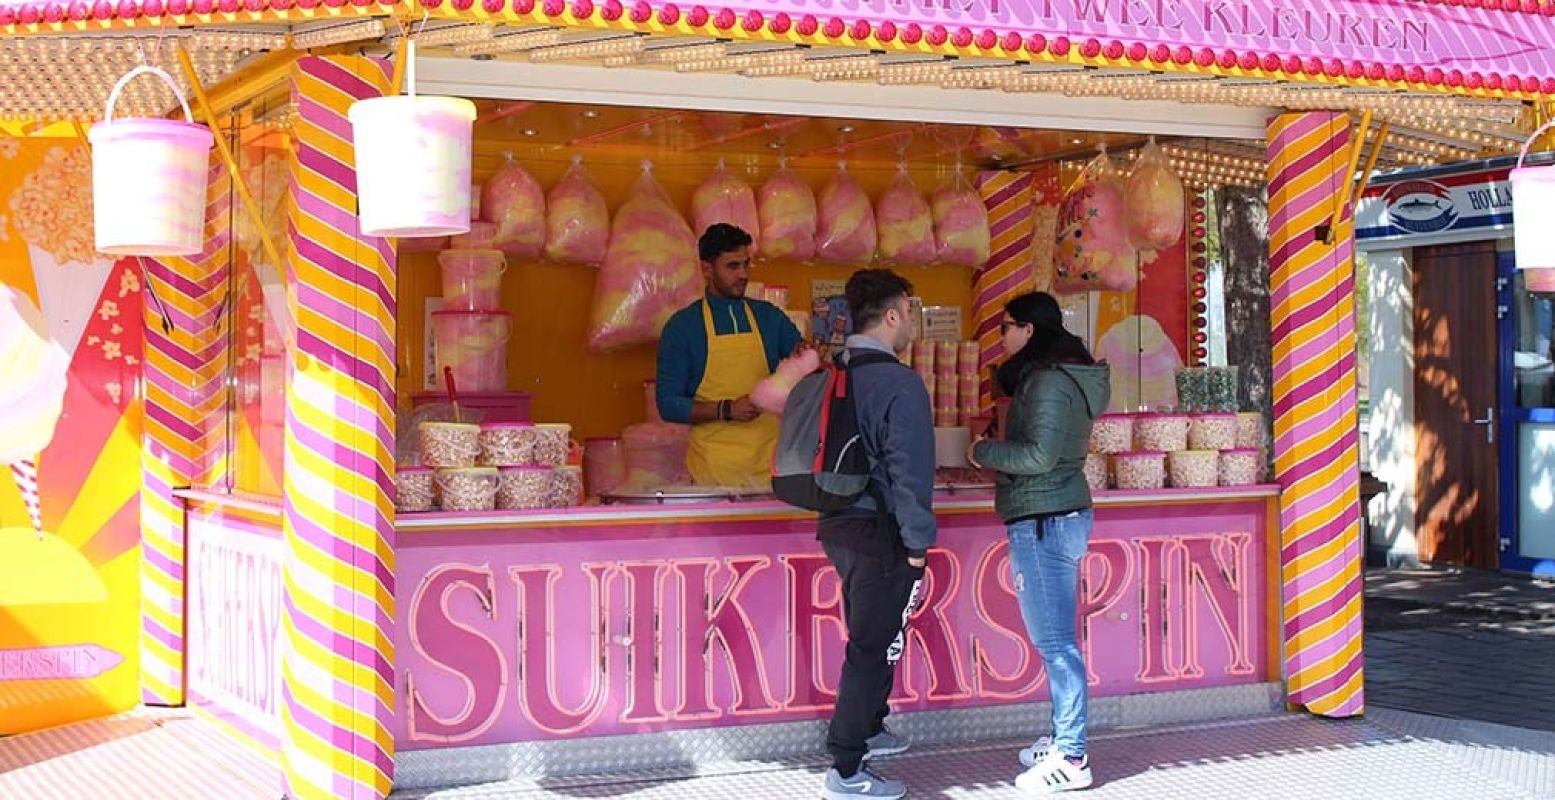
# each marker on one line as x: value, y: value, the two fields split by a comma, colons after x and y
x: 1243, y: 214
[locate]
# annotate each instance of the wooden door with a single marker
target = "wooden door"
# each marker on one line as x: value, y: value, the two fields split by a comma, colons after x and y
x: 1456, y: 494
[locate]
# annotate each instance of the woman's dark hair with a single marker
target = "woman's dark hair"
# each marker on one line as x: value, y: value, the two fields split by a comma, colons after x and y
x: 871, y: 293
x: 1050, y: 344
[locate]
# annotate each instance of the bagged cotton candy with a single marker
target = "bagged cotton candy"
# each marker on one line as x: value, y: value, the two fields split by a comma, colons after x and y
x: 723, y: 197
x: 577, y: 220
x: 961, y: 225
x: 514, y: 201
x: 785, y: 207
x: 1094, y: 251
x: 650, y: 270
x: 1155, y: 201
x: 771, y: 392
x: 905, y: 223
x: 846, y: 233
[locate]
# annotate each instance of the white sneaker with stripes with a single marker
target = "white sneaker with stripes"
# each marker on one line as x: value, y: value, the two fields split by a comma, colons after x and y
x: 1033, y: 755
x: 1055, y: 773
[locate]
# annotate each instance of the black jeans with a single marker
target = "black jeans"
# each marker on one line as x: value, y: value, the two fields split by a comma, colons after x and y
x: 878, y: 593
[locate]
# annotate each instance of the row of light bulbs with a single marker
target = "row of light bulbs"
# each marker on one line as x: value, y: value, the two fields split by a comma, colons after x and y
x: 512, y: 43
x: 50, y: 84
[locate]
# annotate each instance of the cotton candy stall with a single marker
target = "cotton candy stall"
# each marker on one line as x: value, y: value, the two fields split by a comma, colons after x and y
x: 905, y: 223
x: 577, y: 219
x: 846, y: 233
x: 785, y: 208
x: 1094, y: 251
x: 1155, y: 202
x: 515, y: 202
x: 650, y: 270
x: 723, y: 197
x: 961, y: 231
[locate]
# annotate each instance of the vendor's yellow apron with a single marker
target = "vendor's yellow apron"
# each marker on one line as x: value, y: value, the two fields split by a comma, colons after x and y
x: 732, y: 453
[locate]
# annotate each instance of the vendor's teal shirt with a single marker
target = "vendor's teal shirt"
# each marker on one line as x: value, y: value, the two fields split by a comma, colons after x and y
x: 683, y: 347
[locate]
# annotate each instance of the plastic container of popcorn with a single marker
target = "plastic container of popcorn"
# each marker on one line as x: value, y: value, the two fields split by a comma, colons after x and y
x: 525, y: 488
x: 449, y: 444
x: 566, y: 488
x: 946, y: 416
x: 1240, y: 467
x: 1139, y: 469
x: 414, y: 489
x: 1096, y: 471
x: 553, y: 443
x: 467, y: 488
x: 1212, y: 432
x: 1161, y: 432
x: 506, y: 444
x: 1193, y: 469
x: 1112, y: 433
x: 1249, y: 430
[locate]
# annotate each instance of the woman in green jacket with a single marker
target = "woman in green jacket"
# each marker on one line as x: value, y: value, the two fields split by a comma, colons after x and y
x: 1057, y: 390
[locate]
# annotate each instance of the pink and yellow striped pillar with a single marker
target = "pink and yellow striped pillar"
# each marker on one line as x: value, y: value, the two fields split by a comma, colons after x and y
x: 185, y: 371
x: 1316, y: 436
x: 1008, y: 196
x: 337, y: 691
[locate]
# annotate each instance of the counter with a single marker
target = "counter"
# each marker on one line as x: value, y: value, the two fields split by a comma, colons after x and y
x: 529, y: 626
x: 532, y: 627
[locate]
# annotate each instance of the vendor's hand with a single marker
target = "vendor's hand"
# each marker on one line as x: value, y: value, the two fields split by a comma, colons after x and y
x: 916, y: 563
x: 744, y: 410
x: 971, y: 449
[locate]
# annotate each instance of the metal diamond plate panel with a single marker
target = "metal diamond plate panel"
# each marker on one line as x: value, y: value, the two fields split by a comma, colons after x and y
x: 1288, y: 757
x: 701, y: 751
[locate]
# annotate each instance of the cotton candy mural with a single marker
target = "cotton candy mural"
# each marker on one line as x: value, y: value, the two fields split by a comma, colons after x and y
x: 70, y: 348
x: 1143, y: 333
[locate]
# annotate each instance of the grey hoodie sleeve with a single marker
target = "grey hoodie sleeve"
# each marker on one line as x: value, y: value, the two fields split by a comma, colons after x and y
x: 908, y: 457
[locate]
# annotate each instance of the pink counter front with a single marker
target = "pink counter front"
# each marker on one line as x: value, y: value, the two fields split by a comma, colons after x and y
x: 517, y: 628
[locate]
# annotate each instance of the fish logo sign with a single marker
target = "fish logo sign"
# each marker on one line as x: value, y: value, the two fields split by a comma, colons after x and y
x: 1420, y: 206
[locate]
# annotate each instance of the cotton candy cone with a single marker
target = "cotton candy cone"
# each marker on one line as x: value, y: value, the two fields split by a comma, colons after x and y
x: 25, y: 473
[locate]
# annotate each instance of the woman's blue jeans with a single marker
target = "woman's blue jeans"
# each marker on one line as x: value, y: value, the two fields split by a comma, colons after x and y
x: 1045, y: 561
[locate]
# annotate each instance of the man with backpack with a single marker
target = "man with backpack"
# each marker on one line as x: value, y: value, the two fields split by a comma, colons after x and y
x: 871, y: 474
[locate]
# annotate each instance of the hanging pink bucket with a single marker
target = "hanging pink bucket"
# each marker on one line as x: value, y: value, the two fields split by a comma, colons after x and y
x: 1533, y: 203
x: 149, y: 179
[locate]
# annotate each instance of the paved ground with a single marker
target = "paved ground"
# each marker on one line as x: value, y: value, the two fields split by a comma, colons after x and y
x: 167, y: 755
x: 1462, y: 644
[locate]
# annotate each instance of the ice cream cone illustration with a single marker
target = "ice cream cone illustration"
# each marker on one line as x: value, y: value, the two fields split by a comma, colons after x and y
x: 32, y: 393
x: 26, y: 475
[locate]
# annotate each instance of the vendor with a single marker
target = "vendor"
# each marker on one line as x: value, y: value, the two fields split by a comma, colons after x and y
x: 711, y: 354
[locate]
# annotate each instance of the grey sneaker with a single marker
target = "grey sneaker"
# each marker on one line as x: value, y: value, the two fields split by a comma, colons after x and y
x: 864, y: 783
x: 885, y: 743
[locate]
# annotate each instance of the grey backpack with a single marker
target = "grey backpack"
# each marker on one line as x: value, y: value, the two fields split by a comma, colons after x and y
x: 821, y: 463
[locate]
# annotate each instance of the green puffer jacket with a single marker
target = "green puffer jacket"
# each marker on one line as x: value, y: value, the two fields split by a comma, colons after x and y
x: 1041, y: 460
